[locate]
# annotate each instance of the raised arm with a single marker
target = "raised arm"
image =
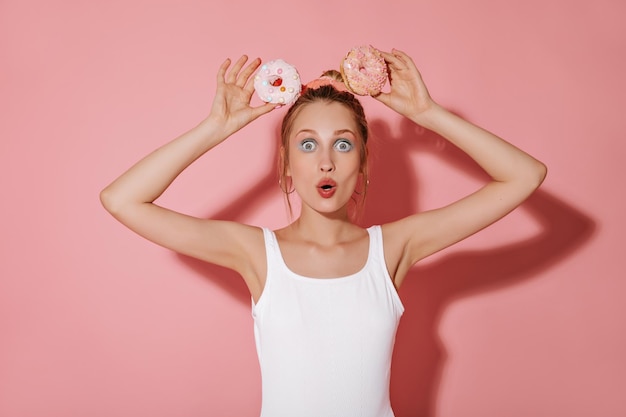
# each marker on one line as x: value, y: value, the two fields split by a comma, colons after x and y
x: 514, y: 173
x: 130, y: 198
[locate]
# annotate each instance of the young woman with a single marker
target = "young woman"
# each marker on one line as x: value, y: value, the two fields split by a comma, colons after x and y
x: 326, y: 307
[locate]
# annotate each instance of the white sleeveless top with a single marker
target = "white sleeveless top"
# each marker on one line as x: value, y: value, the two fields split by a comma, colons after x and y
x: 325, y: 344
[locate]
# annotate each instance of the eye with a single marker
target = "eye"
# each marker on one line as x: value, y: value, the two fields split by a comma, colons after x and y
x: 344, y: 145
x: 308, y: 145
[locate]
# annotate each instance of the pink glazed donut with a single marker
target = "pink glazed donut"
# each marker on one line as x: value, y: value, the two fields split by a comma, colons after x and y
x: 277, y: 82
x: 364, y: 71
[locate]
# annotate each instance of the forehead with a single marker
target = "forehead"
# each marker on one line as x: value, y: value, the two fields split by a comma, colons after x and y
x: 324, y: 117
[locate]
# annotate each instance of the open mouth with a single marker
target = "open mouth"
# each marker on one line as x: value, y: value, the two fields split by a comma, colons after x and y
x: 326, y: 187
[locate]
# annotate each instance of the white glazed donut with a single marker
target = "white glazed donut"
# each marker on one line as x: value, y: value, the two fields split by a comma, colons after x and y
x: 277, y: 82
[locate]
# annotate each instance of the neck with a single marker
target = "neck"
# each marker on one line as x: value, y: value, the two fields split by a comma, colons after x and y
x: 323, y: 228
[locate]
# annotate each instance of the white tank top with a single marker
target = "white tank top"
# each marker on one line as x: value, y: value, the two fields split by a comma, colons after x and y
x: 325, y: 344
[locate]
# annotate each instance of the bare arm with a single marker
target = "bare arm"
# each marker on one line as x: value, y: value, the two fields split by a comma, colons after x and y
x: 514, y: 173
x: 130, y: 198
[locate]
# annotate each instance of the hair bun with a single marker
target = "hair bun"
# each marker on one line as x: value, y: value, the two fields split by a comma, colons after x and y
x: 334, y: 74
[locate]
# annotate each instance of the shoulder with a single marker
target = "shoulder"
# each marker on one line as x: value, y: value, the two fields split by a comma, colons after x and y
x: 236, y: 246
x: 248, y: 244
x: 400, y: 239
x: 249, y: 239
x: 395, y: 236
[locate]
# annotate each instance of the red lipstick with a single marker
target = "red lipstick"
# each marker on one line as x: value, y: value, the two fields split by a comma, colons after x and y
x: 326, y: 187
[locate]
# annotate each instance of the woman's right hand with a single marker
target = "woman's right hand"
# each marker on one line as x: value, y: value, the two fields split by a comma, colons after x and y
x: 131, y: 197
x: 231, y: 109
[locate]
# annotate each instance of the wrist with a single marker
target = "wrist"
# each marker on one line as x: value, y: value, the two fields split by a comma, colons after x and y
x: 212, y: 130
x: 430, y: 117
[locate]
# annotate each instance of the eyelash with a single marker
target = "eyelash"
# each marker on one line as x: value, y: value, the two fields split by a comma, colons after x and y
x: 303, y: 144
x: 341, y: 142
x: 337, y: 145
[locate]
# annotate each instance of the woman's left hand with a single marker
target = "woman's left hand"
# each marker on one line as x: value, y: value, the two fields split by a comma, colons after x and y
x: 408, y: 95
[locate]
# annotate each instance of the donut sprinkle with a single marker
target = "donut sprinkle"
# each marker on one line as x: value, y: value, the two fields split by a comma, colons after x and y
x: 277, y: 82
x: 364, y: 71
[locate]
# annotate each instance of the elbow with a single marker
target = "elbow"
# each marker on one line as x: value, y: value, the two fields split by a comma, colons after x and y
x: 117, y: 203
x: 109, y: 201
x: 536, y: 175
x: 541, y: 171
x: 105, y: 199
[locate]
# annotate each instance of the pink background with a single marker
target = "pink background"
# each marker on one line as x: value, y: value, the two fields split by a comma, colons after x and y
x: 523, y: 319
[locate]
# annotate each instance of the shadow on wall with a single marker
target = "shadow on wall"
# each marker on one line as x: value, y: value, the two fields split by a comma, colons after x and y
x: 419, y: 356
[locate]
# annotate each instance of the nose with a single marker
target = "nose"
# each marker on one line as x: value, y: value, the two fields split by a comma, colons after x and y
x: 326, y: 163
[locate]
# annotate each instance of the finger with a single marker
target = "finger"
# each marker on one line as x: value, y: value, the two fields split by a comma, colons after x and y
x: 263, y: 109
x: 394, y: 62
x: 249, y: 87
x: 222, y: 71
x: 404, y: 57
x: 383, y: 98
x: 243, y: 78
x: 231, y: 77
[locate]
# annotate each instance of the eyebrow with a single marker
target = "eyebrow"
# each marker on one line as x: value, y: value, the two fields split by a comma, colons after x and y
x: 335, y: 133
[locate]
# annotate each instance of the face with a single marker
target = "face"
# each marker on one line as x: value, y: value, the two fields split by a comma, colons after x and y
x: 324, y: 157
